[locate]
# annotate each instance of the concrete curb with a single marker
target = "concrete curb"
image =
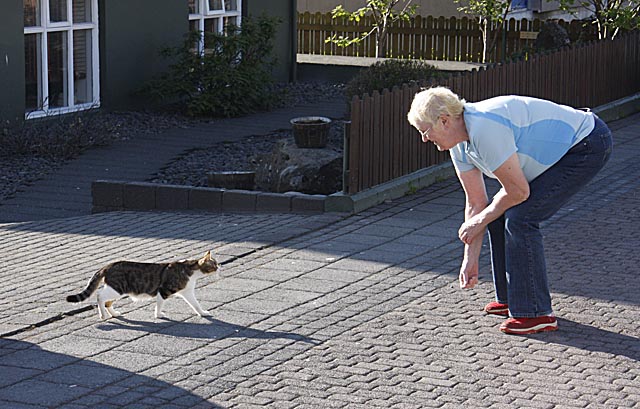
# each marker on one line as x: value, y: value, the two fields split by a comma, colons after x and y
x: 619, y: 109
x: 404, y: 185
x: 113, y: 195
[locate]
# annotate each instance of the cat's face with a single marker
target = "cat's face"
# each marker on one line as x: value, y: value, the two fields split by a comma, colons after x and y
x: 208, y: 264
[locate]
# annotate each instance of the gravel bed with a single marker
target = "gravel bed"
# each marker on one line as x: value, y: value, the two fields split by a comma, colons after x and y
x: 18, y: 170
x: 192, y: 167
x: 310, y: 92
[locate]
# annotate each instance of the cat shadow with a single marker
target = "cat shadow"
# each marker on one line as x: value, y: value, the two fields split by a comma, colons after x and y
x: 593, y: 339
x: 213, y: 329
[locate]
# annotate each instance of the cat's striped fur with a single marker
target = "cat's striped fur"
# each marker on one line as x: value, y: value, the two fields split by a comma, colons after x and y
x: 144, y: 280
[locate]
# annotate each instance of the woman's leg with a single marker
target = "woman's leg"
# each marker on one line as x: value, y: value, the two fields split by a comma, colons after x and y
x: 527, y: 287
x: 498, y: 266
x: 528, y: 291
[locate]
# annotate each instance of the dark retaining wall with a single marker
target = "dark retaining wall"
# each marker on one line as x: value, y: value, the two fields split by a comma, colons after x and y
x: 111, y: 195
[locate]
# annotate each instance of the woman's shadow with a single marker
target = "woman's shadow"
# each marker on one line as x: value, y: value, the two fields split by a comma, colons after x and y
x: 590, y: 338
x: 33, y: 377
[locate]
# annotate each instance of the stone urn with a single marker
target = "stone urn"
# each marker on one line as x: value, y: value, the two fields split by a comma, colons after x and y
x: 311, y: 131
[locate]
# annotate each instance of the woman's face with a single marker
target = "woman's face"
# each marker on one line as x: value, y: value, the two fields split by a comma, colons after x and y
x: 439, y: 133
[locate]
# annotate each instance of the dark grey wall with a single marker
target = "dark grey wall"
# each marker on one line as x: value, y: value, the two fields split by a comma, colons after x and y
x: 285, y: 41
x: 132, y: 33
x: 130, y: 40
x: 12, y: 60
x: 327, y: 72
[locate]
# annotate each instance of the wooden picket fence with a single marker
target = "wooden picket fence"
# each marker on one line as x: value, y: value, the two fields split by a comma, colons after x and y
x: 383, y: 146
x: 427, y: 38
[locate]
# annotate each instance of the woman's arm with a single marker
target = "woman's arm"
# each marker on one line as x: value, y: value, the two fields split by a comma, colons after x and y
x: 515, y: 190
x: 475, y: 202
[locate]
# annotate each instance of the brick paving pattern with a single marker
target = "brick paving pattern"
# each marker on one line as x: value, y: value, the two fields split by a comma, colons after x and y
x: 327, y: 311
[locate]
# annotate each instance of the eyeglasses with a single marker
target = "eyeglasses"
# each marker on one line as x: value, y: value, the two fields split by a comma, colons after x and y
x: 425, y: 134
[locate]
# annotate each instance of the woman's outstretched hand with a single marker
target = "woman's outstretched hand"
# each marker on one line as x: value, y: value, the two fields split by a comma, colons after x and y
x: 468, y: 274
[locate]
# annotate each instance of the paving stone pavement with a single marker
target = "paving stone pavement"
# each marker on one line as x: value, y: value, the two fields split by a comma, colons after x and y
x: 327, y: 311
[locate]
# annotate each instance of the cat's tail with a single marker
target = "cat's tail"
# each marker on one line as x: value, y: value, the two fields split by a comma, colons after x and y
x: 93, y: 284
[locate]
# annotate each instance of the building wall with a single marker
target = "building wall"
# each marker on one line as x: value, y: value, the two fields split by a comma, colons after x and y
x: 446, y: 8
x: 286, y: 35
x: 132, y: 33
x: 11, y: 60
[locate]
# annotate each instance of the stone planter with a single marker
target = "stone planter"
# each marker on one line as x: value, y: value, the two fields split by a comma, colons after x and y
x: 243, y: 180
x: 311, y: 131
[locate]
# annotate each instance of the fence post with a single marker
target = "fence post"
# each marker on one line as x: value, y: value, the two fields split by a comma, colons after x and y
x: 345, y: 156
x: 355, y: 158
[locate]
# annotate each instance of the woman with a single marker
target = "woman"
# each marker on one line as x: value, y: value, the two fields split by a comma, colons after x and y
x: 542, y: 153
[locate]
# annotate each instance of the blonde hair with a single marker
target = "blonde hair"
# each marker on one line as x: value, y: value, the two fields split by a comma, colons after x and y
x: 430, y: 103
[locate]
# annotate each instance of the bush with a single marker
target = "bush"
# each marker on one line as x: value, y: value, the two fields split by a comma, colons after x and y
x: 551, y: 37
x: 231, y: 78
x: 387, y: 74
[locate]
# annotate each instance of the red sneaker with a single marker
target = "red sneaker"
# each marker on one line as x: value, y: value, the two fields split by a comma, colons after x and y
x: 497, y: 308
x: 522, y: 326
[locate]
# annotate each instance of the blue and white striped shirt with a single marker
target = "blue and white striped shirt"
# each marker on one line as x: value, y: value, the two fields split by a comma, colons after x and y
x: 541, y: 132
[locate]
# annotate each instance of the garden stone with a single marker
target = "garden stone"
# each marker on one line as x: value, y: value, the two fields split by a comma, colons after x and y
x: 289, y: 168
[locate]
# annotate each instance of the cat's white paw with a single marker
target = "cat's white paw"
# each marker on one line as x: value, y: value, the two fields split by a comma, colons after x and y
x: 161, y: 315
x: 204, y: 313
x: 115, y: 313
x: 103, y: 314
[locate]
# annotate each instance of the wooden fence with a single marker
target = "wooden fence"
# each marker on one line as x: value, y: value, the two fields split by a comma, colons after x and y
x: 427, y: 38
x: 383, y: 146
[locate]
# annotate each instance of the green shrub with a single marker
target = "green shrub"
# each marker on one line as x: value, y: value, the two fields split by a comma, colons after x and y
x: 387, y: 74
x: 231, y: 78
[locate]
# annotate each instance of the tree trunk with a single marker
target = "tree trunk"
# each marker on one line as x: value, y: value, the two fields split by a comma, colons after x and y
x: 381, y: 42
x: 484, y: 40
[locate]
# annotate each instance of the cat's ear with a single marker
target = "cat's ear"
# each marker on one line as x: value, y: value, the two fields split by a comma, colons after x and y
x: 205, y: 258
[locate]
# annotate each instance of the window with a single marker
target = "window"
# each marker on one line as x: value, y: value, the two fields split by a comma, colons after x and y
x: 61, y: 56
x: 519, y: 4
x: 211, y: 16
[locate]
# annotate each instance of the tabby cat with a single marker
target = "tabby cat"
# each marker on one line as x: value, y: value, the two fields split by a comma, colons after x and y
x: 146, y: 280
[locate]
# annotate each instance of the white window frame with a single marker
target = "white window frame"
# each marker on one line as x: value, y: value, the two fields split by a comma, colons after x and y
x: 69, y: 27
x: 205, y: 14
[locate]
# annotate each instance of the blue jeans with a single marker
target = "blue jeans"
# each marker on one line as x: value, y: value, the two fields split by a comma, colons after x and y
x: 517, y: 253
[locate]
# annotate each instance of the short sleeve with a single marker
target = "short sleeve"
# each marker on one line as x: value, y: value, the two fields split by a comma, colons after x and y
x: 494, y: 145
